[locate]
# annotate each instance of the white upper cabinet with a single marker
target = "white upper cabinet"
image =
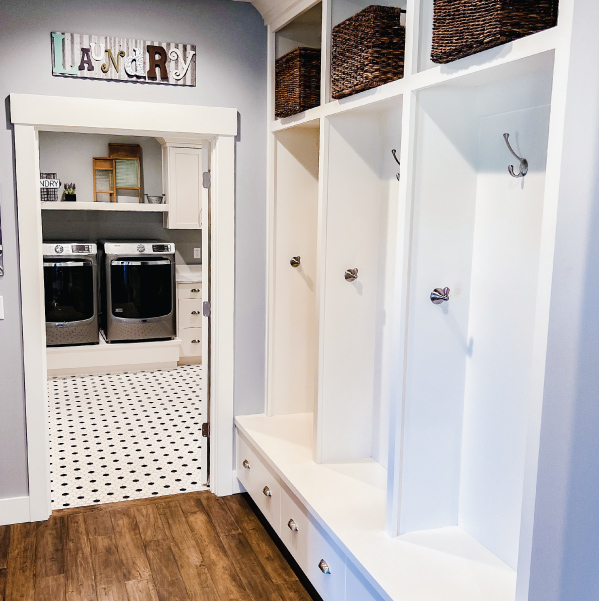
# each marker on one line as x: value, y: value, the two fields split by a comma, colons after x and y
x: 182, y: 185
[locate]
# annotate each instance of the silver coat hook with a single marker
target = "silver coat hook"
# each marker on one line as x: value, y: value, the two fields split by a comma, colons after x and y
x: 396, y: 158
x: 350, y: 275
x: 523, y: 162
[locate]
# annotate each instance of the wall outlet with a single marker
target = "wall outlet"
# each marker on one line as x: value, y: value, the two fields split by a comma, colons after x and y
x: 197, y: 253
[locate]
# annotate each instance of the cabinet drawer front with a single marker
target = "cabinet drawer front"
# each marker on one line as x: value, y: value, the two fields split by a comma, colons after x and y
x: 190, y: 313
x: 358, y: 589
x: 294, y: 529
x: 309, y: 547
x: 330, y: 586
x: 189, y: 290
x: 261, y: 484
x: 191, y: 345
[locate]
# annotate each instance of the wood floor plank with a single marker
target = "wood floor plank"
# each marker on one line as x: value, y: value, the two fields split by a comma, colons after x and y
x: 50, y: 588
x: 4, y: 543
x: 165, y: 573
x: 50, y: 547
x: 253, y: 575
x: 222, y: 571
x: 150, y: 523
x: 222, y: 519
x: 177, y: 528
x: 2, y: 583
x: 293, y: 591
x: 108, y: 569
x: 21, y: 563
x: 99, y: 524
x: 129, y: 545
x: 80, y: 582
x: 265, y: 549
x: 141, y: 590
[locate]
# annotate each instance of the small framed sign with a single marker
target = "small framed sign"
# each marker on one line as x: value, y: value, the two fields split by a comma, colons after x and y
x: 122, y: 59
x: 49, y: 185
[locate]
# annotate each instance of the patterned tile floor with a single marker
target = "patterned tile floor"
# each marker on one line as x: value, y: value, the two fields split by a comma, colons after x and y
x: 125, y: 436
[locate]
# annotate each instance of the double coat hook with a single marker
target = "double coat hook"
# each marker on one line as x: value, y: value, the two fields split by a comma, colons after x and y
x: 523, y: 162
x: 396, y: 158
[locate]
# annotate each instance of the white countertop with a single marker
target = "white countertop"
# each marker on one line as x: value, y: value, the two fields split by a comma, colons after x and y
x: 188, y: 274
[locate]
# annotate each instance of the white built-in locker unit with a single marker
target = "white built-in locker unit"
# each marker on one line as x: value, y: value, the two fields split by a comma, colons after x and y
x: 397, y: 455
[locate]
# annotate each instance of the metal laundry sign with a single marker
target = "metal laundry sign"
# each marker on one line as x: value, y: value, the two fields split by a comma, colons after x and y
x: 122, y: 59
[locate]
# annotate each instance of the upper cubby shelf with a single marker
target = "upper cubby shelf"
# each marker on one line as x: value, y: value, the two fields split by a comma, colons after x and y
x: 524, y: 55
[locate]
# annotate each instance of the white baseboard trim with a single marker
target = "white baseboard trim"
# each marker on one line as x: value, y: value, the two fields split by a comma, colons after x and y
x: 236, y: 485
x: 14, y: 511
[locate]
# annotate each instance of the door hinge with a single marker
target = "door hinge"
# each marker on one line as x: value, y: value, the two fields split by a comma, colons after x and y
x: 206, y: 308
x: 206, y: 430
x: 206, y: 179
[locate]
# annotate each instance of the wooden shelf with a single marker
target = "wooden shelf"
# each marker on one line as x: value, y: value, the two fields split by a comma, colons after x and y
x: 348, y: 500
x: 104, y: 206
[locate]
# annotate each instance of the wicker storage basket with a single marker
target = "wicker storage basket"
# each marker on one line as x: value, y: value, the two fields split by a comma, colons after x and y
x: 464, y: 27
x: 367, y: 50
x: 297, y: 81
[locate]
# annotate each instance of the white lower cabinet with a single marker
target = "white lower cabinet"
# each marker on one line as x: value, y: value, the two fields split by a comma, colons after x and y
x: 324, y: 564
x: 260, y: 483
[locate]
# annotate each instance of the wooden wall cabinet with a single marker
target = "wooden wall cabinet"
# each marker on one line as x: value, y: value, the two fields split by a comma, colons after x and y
x: 183, y: 185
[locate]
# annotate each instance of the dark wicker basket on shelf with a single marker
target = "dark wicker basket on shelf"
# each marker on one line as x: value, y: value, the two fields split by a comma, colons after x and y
x: 297, y: 81
x: 464, y: 27
x: 367, y: 50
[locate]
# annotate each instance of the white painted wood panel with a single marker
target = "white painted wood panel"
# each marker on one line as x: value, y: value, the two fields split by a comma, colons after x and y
x: 501, y: 324
x: 361, y: 192
x: 190, y: 312
x: 294, y: 346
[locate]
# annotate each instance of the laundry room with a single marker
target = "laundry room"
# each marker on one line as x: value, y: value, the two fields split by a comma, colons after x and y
x: 123, y: 305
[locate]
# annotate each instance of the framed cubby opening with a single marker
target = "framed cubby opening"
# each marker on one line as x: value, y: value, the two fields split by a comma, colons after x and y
x: 361, y: 201
x: 470, y: 361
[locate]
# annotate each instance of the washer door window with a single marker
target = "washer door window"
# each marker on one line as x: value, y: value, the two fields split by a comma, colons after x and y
x: 69, y: 291
x: 141, y: 289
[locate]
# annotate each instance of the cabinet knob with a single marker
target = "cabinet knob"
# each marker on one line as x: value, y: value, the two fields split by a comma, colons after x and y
x: 324, y: 567
x: 195, y: 312
x: 195, y: 341
x: 292, y: 525
x: 295, y: 261
x: 245, y: 464
x: 266, y: 491
x: 350, y: 275
x: 195, y: 290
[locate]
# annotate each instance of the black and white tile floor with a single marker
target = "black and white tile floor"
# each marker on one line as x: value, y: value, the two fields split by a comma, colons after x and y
x: 126, y: 436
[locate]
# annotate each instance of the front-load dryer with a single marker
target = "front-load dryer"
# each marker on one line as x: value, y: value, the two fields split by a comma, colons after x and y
x: 138, y: 290
x: 71, y: 293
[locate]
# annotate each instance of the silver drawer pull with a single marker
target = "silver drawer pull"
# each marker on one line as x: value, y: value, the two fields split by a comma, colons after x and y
x: 195, y: 312
x: 267, y: 492
x: 195, y: 341
x: 195, y: 290
x: 245, y: 464
x: 324, y: 567
x: 292, y: 525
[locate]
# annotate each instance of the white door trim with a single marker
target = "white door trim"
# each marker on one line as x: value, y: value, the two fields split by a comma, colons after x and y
x: 31, y: 114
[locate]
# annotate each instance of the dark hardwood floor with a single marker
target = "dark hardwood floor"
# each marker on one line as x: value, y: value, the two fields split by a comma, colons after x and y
x: 189, y: 547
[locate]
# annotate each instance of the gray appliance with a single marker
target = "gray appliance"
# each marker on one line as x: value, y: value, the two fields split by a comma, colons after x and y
x: 71, y: 293
x: 138, y: 290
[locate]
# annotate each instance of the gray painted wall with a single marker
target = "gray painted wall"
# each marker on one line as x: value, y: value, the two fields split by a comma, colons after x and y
x: 231, y: 56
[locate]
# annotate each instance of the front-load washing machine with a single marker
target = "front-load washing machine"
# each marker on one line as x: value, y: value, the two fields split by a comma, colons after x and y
x: 138, y: 290
x: 71, y: 293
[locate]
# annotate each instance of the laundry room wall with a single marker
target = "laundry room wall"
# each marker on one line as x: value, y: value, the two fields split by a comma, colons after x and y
x: 230, y: 40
